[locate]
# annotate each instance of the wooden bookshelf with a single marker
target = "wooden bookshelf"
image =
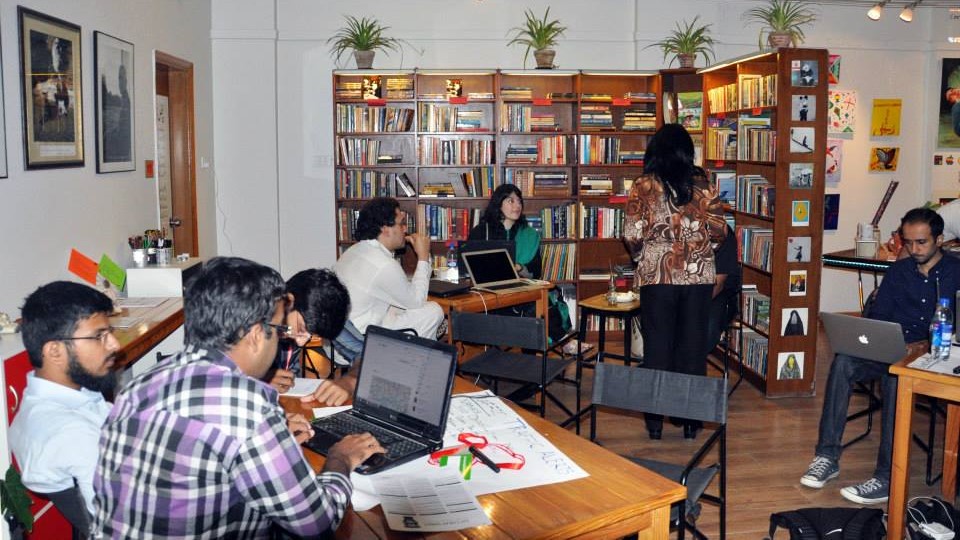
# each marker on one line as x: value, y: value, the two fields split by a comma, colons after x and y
x: 752, y: 129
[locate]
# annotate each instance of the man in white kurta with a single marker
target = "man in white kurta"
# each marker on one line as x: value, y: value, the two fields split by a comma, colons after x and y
x: 380, y: 292
x: 950, y: 213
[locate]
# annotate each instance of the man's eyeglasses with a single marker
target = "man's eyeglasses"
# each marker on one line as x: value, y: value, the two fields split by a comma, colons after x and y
x: 282, y: 329
x: 101, y: 336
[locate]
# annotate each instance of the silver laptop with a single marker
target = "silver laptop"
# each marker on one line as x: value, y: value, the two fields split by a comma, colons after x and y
x: 880, y: 341
x: 493, y: 271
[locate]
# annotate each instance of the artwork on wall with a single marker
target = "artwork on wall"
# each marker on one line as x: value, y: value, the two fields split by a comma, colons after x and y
x: 884, y: 159
x: 798, y: 249
x: 831, y: 211
x: 52, y: 91
x: 790, y: 365
x: 803, y: 108
x: 885, y: 120
x: 801, y: 175
x: 833, y: 69
x: 798, y: 283
x: 834, y: 161
x: 804, y: 73
x: 800, y: 215
x: 114, y: 103
x: 793, y: 321
x: 802, y: 140
x: 948, y: 126
x: 842, y: 110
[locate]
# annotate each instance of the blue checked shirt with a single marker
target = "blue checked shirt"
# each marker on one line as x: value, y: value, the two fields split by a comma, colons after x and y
x: 194, y: 448
x: 908, y: 297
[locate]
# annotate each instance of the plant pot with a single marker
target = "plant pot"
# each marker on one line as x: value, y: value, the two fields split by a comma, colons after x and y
x: 686, y: 60
x: 544, y: 58
x: 364, y: 59
x: 780, y: 39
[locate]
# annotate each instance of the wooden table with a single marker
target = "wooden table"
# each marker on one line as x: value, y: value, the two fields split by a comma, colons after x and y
x: 156, y: 323
x: 910, y: 383
x: 480, y: 302
x: 618, y: 498
x: 598, y: 305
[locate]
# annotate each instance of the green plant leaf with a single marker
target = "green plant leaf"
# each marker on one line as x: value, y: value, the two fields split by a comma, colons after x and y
x: 784, y: 16
x: 687, y: 38
x: 536, y: 33
x: 363, y: 34
x: 14, y: 499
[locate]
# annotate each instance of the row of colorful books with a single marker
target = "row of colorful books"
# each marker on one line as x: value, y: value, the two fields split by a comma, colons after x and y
x: 757, y: 90
x: 601, y: 222
x: 559, y: 261
x: 756, y: 140
x: 524, y: 118
x: 435, y: 117
x: 754, y: 352
x: 359, y: 184
x: 437, y: 151
x: 555, y: 222
x: 364, y: 152
x: 362, y: 119
x: 756, y: 309
x: 545, y: 151
x: 721, y: 143
x: 756, y: 195
x: 444, y: 223
x: 755, y: 246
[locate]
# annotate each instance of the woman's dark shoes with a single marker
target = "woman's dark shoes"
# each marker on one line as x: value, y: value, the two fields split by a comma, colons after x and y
x: 655, y: 434
x: 690, y: 431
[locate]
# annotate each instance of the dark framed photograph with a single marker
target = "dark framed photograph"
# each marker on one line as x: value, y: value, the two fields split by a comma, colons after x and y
x: 52, y: 91
x: 114, y: 103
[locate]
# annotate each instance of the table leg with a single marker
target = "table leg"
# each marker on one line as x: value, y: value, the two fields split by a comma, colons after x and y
x: 901, y: 459
x: 602, y: 337
x: 950, y: 442
x: 627, y: 339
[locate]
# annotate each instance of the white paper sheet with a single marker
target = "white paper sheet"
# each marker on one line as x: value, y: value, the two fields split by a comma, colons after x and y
x: 322, y: 412
x: 303, y: 387
x: 945, y: 367
x: 428, y: 504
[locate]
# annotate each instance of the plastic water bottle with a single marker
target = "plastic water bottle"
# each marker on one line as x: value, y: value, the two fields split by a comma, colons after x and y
x: 941, y: 330
x: 453, y: 273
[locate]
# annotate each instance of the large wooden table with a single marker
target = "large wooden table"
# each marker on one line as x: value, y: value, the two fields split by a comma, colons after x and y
x: 910, y: 383
x: 618, y: 498
x: 156, y: 323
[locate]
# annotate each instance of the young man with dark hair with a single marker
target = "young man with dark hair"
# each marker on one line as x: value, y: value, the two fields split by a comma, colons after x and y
x: 907, y: 295
x: 70, y: 342
x: 198, y: 446
x: 380, y: 292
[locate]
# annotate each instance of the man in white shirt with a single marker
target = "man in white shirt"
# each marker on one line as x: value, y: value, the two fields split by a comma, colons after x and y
x: 380, y: 292
x: 950, y: 213
x: 55, y: 434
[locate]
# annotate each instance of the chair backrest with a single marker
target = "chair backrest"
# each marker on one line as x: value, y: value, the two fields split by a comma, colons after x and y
x: 661, y: 392
x: 500, y: 330
x: 348, y: 344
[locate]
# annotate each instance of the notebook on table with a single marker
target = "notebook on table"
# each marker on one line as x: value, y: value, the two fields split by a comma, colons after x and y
x: 444, y: 288
x: 493, y: 271
x: 880, y: 341
x: 402, y: 397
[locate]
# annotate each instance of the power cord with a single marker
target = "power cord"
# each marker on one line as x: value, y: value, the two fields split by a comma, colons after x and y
x: 930, y: 529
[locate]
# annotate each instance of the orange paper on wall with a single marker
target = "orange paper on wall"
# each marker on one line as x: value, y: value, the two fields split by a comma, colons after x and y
x: 84, y: 267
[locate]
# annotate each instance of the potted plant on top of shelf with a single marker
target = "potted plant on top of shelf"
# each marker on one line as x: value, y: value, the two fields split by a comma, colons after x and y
x: 540, y: 35
x: 686, y: 42
x: 783, y: 20
x: 364, y: 36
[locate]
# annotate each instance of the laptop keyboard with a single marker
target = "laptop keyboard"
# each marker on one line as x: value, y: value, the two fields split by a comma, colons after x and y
x: 341, y: 425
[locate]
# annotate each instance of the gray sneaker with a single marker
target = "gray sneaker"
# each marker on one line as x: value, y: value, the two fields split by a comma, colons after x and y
x: 873, y: 491
x: 821, y: 470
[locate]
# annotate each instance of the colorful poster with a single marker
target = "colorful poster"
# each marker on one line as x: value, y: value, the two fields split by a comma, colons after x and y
x: 842, y: 110
x: 885, y: 120
x: 831, y: 211
x: 948, y: 127
x: 690, y: 109
x: 801, y: 214
x: 798, y: 283
x: 834, y: 160
x: 833, y: 69
x: 884, y: 159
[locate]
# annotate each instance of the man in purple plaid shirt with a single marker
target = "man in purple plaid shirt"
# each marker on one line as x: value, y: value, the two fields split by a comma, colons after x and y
x: 198, y: 446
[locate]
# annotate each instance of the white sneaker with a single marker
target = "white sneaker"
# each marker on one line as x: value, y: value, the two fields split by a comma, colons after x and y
x: 821, y: 470
x: 873, y: 491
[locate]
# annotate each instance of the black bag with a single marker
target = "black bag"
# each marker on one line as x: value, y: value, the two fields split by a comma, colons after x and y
x: 930, y: 510
x: 830, y: 523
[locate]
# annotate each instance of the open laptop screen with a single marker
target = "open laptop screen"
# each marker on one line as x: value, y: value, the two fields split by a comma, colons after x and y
x: 490, y: 266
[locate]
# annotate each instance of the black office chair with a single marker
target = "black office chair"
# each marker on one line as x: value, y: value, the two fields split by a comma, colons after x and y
x: 499, y: 333
x: 676, y: 395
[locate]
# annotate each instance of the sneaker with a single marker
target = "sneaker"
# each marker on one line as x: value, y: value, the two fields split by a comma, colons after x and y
x: 570, y: 347
x: 821, y: 470
x: 873, y: 491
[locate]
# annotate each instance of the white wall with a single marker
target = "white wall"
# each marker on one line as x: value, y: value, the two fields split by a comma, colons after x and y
x: 44, y: 213
x: 884, y: 59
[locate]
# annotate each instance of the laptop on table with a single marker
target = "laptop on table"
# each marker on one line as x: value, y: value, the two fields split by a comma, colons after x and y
x: 402, y: 397
x: 493, y: 271
x: 880, y: 341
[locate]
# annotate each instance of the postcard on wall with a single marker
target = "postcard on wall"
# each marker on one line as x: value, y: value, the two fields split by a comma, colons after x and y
x: 370, y: 87
x: 831, y: 211
x: 841, y: 111
x: 834, y: 161
x: 793, y: 321
x: 833, y: 69
x: 801, y: 140
x: 801, y: 175
x: 948, y: 126
x: 798, y: 283
x: 804, y: 108
x: 690, y: 109
x: 804, y: 73
x: 798, y: 249
x: 801, y: 214
x: 789, y: 365
x: 884, y: 159
x: 885, y: 120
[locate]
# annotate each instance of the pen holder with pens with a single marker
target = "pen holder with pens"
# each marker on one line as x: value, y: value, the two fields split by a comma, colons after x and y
x: 139, y: 257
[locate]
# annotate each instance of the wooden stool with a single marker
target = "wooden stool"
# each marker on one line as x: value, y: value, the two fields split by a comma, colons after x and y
x: 626, y: 311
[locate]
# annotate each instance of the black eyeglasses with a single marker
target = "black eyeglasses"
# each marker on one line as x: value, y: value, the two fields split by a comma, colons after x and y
x: 100, y: 336
x: 282, y: 329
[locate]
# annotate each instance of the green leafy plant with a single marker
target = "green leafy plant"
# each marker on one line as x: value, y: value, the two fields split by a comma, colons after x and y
x: 536, y: 33
x: 782, y: 16
x: 363, y: 34
x: 687, y: 38
x: 14, y: 501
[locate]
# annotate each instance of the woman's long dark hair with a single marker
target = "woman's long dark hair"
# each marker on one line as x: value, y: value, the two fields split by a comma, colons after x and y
x: 492, y: 215
x: 669, y: 158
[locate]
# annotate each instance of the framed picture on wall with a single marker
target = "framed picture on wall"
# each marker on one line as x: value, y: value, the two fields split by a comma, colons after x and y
x: 114, y: 103
x: 52, y: 91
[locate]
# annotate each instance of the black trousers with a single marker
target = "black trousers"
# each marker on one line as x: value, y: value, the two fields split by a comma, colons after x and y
x: 674, y: 322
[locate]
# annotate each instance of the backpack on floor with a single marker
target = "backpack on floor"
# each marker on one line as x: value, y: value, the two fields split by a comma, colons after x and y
x: 830, y: 523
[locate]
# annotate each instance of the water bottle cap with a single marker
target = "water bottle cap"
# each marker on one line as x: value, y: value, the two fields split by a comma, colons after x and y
x: 945, y: 302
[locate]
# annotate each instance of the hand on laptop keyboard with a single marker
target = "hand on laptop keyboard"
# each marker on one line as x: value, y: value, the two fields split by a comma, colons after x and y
x: 350, y: 452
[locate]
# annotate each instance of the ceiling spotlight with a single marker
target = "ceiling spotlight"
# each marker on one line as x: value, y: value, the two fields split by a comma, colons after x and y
x: 875, y: 12
x: 907, y: 14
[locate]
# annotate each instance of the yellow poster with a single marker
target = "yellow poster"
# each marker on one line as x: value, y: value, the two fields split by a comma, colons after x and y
x: 886, y: 117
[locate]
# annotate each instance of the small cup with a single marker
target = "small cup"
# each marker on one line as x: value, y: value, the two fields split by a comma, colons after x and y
x: 164, y: 256
x: 140, y: 258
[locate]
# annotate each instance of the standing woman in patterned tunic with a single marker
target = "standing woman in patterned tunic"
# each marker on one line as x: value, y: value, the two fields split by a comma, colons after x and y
x: 673, y: 216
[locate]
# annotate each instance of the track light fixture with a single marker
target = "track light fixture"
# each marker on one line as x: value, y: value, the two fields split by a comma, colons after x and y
x: 907, y: 14
x: 877, y: 10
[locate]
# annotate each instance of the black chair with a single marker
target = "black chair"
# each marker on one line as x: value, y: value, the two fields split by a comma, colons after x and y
x: 676, y: 395
x: 500, y: 333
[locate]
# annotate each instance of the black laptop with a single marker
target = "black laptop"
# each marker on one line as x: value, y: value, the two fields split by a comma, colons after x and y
x: 443, y: 288
x: 402, y: 397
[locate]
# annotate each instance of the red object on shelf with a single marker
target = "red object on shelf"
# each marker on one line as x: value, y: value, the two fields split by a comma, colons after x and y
x: 542, y: 101
x: 617, y: 199
x: 458, y: 100
x: 718, y: 163
x: 721, y: 115
x: 376, y: 103
x: 622, y: 101
x: 756, y: 111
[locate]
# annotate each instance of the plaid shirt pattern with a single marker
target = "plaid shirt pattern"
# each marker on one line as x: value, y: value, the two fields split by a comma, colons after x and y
x: 194, y: 448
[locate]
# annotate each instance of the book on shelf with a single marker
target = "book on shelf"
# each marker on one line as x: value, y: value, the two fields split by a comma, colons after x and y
x: 756, y: 139
x: 387, y: 159
x: 558, y: 261
x: 627, y: 184
x: 756, y: 91
x: 721, y: 140
x: 440, y: 151
x: 432, y: 95
x: 399, y: 88
x: 630, y: 157
x: 348, y: 90
x: 438, y: 189
x: 364, y: 184
x: 756, y: 308
x: 690, y: 109
x: 443, y: 223
x: 756, y: 195
x: 755, y: 246
x: 480, y: 95
x: 359, y: 118
x: 479, y: 181
x: 405, y: 186
x: 725, y: 182
x: 592, y: 96
x: 596, y: 117
x: 524, y: 118
x: 550, y: 183
x: 722, y: 98
x: 639, y: 119
x: 601, y: 222
x: 557, y: 222
x: 561, y: 95
x: 640, y: 95
x: 596, y: 184
x: 516, y: 92
x: 754, y: 351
